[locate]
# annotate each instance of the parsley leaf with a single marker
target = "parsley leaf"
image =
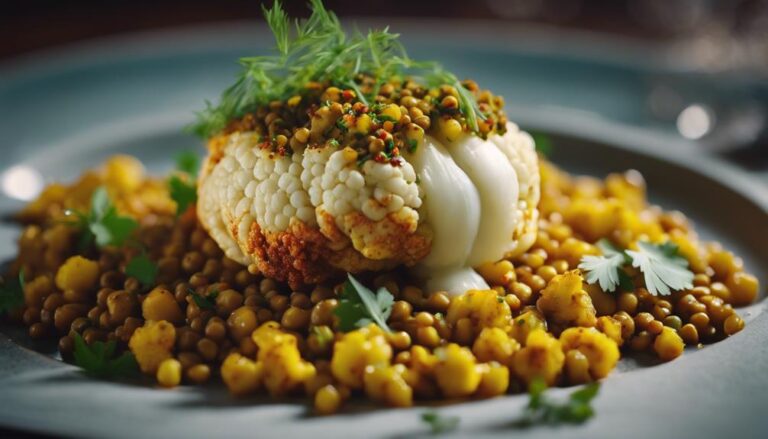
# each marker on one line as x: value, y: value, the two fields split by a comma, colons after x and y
x: 103, y: 224
x: 606, y: 269
x: 99, y: 359
x: 204, y: 302
x: 576, y: 410
x: 183, y: 192
x: 188, y: 162
x: 182, y: 185
x: 359, y: 306
x: 663, y: 269
x: 143, y: 269
x: 12, y: 294
x: 440, y: 423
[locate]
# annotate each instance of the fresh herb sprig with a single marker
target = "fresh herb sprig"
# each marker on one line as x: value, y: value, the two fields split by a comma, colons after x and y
x: 664, y: 270
x: 439, y: 423
x: 204, y: 302
x: 143, y: 269
x: 99, y: 359
x: 102, y: 225
x: 318, y: 49
x: 12, y: 294
x: 181, y: 185
x: 359, y: 306
x: 606, y: 269
x: 575, y: 410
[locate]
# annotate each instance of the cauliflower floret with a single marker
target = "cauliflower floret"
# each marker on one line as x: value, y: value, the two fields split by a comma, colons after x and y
x: 78, y: 274
x: 526, y: 322
x: 484, y: 308
x: 456, y: 371
x: 565, y: 302
x: 283, y: 368
x: 306, y: 216
x: 357, y: 350
x: 241, y: 375
x: 601, y: 352
x: 386, y: 383
x: 494, y: 380
x: 542, y: 357
x: 151, y: 344
x: 493, y: 344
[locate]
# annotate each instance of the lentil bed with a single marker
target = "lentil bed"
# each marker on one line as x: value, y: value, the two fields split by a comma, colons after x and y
x: 540, y: 319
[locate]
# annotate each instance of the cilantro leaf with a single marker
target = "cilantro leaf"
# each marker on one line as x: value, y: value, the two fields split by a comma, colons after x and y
x: 99, y: 359
x: 606, y: 269
x: 12, y: 294
x: 188, y: 162
x: 204, y: 302
x: 143, y: 269
x: 663, y: 269
x: 359, y: 306
x: 103, y: 224
x: 576, y: 410
x: 440, y: 423
x: 183, y: 192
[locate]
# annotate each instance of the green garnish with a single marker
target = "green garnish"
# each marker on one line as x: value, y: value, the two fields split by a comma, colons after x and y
x: 606, y: 269
x: 204, y: 302
x: 318, y: 49
x: 183, y: 192
x: 359, y: 306
x: 413, y: 144
x: 542, y: 142
x: 542, y: 410
x: 188, y: 162
x: 324, y: 335
x: 182, y: 185
x: 99, y: 359
x: 440, y: 423
x: 143, y: 269
x: 103, y: 224
x: 12, y: 294
x: 663, y: 269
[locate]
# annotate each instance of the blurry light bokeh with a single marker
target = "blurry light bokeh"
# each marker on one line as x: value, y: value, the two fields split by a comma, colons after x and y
x: 22, y: 182
x: 694, y: 122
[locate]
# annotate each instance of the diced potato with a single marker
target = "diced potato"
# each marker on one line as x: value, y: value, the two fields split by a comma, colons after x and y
x: 152, y: 344
x: 565, y: 302
x: 78, y: 274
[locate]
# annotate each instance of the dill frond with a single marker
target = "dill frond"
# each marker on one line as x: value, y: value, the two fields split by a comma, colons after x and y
x: 319, y: 50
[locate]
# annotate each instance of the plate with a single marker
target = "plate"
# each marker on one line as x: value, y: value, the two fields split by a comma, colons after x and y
x: 68, y: 110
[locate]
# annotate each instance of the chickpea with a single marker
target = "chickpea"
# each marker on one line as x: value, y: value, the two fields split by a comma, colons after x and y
x: 689, y: 334
x: 169, y: 373
x: 743, y: 288
x: 296, y: 319
x: 733, y: 324
x: 627, y: 302
x: 228, y: 301
x: 207, y: 349
x: 199, y: 373
x: 242, y: 322
x: 215, y: 329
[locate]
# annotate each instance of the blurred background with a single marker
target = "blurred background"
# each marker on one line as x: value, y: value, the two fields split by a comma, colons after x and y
x: 695, y: 70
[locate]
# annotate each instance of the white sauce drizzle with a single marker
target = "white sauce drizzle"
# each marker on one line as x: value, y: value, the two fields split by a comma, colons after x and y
x: 471, y: 213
